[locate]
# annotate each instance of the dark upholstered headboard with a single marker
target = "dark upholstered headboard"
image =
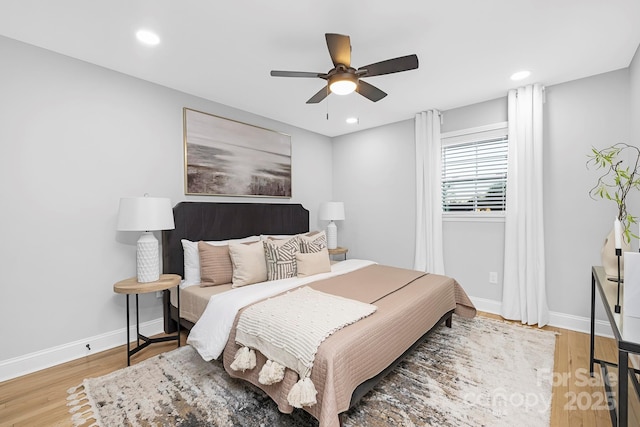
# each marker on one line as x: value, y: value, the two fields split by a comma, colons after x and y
x: 221, y: 221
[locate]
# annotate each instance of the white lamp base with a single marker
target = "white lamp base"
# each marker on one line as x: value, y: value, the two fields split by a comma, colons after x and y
x: 332, y: 235
x: 147, y: 261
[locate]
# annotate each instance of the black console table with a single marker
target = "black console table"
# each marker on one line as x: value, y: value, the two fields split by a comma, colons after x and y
x: 626, y: 330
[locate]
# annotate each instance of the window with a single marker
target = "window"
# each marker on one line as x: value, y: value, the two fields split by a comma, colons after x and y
x: 474, y: 169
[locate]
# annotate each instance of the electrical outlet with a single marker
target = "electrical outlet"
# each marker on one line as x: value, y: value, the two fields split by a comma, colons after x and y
x: 493, y: 277
x: 158, y: 294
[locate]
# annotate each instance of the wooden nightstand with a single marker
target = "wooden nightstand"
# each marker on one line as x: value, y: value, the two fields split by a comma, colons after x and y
x: 339, y: 251
x: 132, y: 286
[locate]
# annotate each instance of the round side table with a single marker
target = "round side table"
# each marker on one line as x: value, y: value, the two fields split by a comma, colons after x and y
x: 132, y: 286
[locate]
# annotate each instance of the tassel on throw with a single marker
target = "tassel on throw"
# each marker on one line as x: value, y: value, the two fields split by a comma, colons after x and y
x: 244, y: 359
x: 271, y: 373
x: 303, y: 393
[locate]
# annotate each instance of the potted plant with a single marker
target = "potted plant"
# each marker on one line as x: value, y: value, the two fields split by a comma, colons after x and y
x: 620, y: 163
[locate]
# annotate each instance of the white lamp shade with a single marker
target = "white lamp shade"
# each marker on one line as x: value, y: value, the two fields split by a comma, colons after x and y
x: 145, y: 214
x: 331, y: 211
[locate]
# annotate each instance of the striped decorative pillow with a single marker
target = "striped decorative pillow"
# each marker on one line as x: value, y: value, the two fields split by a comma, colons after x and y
x: 314, y: 243
x: 281, y: 258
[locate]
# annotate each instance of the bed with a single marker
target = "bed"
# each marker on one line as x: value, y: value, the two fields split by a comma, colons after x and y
x: 352, y: 360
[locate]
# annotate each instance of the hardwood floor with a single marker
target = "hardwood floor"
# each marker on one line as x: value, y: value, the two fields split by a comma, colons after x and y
x: 39, y: 399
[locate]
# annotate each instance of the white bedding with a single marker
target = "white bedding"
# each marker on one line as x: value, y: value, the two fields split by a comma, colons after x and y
x: 210, y: 334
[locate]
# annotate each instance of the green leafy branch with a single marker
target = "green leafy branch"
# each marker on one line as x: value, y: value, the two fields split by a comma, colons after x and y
x: 617, y: 180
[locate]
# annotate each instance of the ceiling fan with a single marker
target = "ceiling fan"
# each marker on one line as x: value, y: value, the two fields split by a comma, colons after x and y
x: 343, y: 79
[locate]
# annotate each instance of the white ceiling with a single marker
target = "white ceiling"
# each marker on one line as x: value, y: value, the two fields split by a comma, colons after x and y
x: 223, y: 51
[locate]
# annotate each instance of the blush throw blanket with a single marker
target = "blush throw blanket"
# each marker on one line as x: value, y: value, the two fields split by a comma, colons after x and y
x: 288, y: 329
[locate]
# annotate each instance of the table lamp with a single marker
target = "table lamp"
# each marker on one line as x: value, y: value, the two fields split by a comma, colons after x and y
x: 146, y: 214
x: 332, y: 211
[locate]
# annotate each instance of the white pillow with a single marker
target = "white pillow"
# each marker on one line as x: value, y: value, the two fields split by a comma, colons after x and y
x: 249, y: 263
x: 192, y: 257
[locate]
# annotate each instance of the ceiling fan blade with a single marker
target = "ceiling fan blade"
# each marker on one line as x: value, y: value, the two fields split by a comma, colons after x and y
x: 395, y: 65
x: 276, y: 73
x: 322, y: 94
x: 370, y: 91
x: 339, y: 49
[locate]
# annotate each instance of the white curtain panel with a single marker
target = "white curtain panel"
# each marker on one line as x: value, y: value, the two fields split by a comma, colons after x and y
x: 428, y: 254
x: 524, y: 294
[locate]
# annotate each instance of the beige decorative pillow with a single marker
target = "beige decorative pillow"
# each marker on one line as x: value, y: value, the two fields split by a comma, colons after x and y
x: 249, y: 265
x: 281, y: 258
x: 215, y: 264
x: 310, y: 243
x: 313, y: 263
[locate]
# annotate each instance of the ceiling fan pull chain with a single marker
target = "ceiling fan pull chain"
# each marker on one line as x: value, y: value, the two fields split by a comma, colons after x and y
x: 327, y: 103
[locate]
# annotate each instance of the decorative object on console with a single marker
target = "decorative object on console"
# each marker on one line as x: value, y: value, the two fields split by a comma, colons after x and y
x: 146, y: 214
x: 609, y: 257
x: 225, y: 157
x: 332, y: 211
x: 617, y: 229
x: 622, y: 165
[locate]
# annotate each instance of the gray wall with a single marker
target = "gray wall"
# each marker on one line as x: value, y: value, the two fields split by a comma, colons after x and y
x: 470, y: 116
x: 75, y: 138
x: 585, y: 113
x: 634, y: 93
x: 373, y: 175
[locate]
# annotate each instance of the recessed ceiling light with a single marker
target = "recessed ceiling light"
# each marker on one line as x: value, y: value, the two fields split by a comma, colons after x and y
x: 520, y: 75
x: 352, y: 120
x: 148, y: 37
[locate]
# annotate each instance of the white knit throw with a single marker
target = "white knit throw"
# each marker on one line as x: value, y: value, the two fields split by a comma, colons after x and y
x: 288, y: 329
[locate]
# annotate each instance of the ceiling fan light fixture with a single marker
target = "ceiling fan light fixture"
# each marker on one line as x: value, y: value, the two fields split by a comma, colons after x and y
x: 343, y: 84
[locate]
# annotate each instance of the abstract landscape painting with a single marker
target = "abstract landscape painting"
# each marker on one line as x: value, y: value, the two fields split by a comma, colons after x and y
x: 225, y: 157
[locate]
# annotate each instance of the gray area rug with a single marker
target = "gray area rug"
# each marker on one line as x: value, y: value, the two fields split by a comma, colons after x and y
x: 482, y: 372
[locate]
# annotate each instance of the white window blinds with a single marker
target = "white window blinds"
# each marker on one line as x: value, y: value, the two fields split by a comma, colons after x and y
x: 474, y: 171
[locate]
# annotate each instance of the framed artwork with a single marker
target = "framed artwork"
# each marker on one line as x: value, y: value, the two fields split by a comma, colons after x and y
x: 228, y: 158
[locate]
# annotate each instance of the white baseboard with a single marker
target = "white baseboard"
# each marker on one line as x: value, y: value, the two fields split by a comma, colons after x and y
x: 559, y: 320
x: 486, y: 305
x: 32, y: 362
